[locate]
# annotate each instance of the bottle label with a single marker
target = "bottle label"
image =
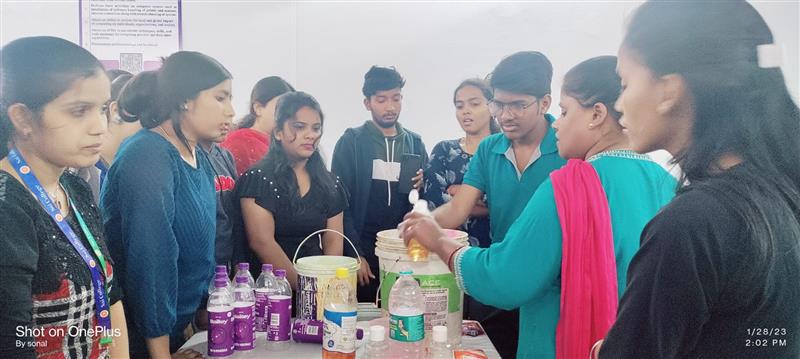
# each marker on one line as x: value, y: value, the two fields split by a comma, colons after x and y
x: 244, y: 334
x: 220, y: 333
x: 262, y: 307
x: 307, y: 297
x: 441, y: 292
x: 339, y: 334
x: 307, y: 331
x: 407, y: 328
x: 280, y: 315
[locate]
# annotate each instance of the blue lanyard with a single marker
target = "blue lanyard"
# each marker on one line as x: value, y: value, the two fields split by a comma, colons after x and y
x: 98, y: 281
x: 100, y: 165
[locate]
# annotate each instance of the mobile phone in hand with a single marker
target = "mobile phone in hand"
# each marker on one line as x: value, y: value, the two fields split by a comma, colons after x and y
x: 409, y: 165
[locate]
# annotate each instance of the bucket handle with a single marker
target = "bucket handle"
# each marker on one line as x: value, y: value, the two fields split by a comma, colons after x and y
x: 296, y: 252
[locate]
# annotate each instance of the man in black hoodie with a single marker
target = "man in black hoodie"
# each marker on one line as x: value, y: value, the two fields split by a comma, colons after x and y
x: 367, y: 160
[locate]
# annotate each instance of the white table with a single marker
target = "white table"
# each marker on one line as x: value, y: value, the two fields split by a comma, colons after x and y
x: 313, y: 350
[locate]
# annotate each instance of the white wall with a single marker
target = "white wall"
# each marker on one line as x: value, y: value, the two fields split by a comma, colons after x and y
x: 325, y: 48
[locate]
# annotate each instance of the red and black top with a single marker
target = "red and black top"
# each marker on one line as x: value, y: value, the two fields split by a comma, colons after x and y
x: 46, y: 291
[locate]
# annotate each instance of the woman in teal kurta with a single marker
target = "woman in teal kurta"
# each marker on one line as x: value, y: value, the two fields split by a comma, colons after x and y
x: 524, y: 271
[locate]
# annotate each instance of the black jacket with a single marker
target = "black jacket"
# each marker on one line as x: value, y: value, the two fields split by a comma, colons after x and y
x: 352, y: 162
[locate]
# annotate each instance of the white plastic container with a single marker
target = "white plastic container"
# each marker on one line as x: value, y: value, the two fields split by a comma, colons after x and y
x: 444, y: 300
x: 313, y: 275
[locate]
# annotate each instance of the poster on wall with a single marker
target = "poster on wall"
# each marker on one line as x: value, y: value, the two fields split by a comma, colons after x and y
x: 131, y: 35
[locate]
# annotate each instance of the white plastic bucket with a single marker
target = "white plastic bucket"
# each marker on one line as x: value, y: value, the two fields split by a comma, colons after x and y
x: 313, y: 275
x: 443, y: 299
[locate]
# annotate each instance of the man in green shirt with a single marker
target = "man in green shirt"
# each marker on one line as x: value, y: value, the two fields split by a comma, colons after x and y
x: 508, y: 167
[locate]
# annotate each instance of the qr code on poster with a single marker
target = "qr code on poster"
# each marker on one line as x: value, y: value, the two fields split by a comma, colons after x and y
x: 131, y: 62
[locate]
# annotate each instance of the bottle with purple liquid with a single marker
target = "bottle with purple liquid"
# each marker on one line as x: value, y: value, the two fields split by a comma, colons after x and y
x: 280, y: 314
x: 244, y: 315
x: 220, y: 320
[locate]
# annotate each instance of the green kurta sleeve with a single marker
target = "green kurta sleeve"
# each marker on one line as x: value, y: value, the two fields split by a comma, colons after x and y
x: 518, y: 269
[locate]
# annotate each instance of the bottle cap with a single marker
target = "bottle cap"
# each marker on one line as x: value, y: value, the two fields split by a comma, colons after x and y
x: 280, y: 273
x: 406, y: 271
x: 421, y: 206
x: 377, y: 333
x: 221, y: 269
x: 440, y: 334
x: 413, y: 196
x: 241, y: 279
x: 266, y: 267
x: 244, y: 266
x: 221, y: 276
x: 220, y: 283
x: 359, y: 333
x: 342, y: 273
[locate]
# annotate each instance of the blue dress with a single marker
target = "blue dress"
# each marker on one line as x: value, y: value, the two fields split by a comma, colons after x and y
x: 447, y: 166
x: 160, y: 220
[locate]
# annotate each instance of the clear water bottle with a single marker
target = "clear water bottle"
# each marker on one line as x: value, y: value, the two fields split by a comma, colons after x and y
x: 340, y: 311
x: 377, y: 346
x: 265, y: 285
x: 406, y: 316
x: 280, y: 314
x: 228, y: 288
x: 439, y: 349
x: 220, y: 321
x: 244, y: 315
x: 218, y: 270
x: 243, y: 269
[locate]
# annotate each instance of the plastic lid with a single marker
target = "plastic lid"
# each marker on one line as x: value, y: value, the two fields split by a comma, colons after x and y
x: 359, y: 334
x: 440, y: 334
x: 241, y: 279
x: 266, y: 267
x: 220, y: 283
x: 421, y: 206
x: 221, y: 269
x: 243, y: 265
x: 281, y: 273
x: 413, y: 196
x: 342, y: 273
x: 377, y: 333
x: 221, y: 275
x: 406, y: 271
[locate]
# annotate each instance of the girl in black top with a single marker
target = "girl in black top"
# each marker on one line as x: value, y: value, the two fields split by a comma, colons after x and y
x: 52, y: 116
x: 716, y: 276
x: 290, y: 194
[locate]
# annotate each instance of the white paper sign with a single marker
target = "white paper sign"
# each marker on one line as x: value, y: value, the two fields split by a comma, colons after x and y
x: 131, y: 35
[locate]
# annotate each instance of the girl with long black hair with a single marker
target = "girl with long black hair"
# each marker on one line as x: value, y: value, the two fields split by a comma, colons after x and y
x: 716, y: 276
x: 290, y: 193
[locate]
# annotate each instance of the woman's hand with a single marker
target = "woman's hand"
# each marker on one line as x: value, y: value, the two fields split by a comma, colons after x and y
x: 424, y: 229
x: 364, y: 272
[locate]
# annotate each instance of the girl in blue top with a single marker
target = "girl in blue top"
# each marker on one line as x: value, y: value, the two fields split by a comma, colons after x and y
x: 158, y: 202
x: 525, y: 270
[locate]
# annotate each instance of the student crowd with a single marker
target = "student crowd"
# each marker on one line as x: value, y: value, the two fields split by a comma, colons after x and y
x: 120, y: 193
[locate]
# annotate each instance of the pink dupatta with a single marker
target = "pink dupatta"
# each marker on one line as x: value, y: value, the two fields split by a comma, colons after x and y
x: 588, y: 266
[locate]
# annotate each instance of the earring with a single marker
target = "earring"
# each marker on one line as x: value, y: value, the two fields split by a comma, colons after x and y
x: 591, y: 125
x: 185, y: 107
